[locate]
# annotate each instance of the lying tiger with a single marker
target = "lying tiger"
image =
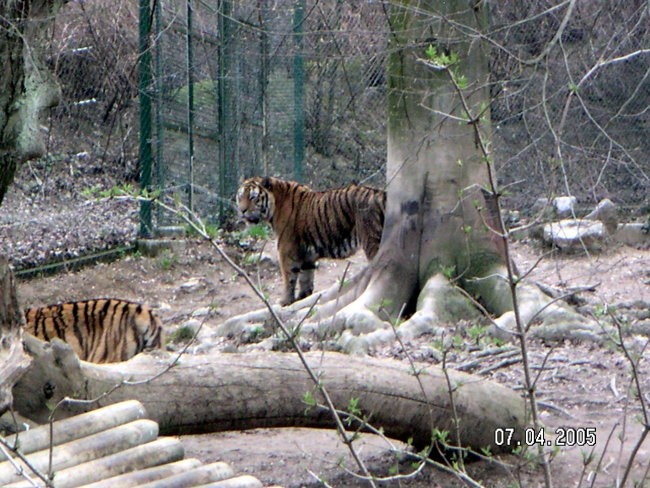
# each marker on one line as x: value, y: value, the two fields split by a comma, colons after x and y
x: 99, y: 331
x: 313, y: 224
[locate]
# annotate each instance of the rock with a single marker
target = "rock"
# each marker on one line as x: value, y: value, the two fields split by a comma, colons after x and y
x: 561, y: 207
x: 155, y: 247
x: 201, y: 312
x: 511, y: 218
x: 632, y: 234
x: 607, y: 213
x: 540, y: 205
x: 192, y: 285
x: 575, y: 234
x: 564, y: 206
x: 192, y: 325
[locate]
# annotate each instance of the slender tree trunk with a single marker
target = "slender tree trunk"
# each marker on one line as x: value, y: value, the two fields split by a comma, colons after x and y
x: 26, y: 85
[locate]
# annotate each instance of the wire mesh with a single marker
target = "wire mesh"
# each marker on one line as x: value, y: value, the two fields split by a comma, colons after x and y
x: 570, y: 114
x: 268, y: 79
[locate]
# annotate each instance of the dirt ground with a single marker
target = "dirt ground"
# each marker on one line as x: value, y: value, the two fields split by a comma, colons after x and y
x: 580, y: 385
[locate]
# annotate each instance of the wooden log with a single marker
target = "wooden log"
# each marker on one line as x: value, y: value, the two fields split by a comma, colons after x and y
x: 160, y: 451
x: 216, y: 392
x: 142, y: 476
x: 244, y: 481
x: 87, y: 448
x: 198, y: 476
x: 54, y: 373
x: 72, y: 428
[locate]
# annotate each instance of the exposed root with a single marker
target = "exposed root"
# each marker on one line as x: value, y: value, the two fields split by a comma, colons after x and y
x: 544, y: 317
x: 360, y: 327
x: 331, y: 299
x: 439, y: 301
x: 351, y: 317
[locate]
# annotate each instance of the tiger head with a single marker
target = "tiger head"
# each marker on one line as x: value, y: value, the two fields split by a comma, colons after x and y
x: 150, y: 328
x: 254, y: 200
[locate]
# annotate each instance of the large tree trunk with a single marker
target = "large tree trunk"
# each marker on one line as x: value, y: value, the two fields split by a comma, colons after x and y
x: 434, y: 164
x: 239, y: 391
x: 443, y: 249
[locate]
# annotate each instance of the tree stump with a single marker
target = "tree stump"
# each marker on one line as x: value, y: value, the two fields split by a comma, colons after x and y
x: 13, y: 359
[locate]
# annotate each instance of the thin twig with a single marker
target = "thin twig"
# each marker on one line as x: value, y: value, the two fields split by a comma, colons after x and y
x: 7, y: 450
x: 522, y: 332
x: 193, y: 221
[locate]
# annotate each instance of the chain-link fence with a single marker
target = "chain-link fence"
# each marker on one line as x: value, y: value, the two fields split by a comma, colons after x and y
x: 297, y: 89
x: 244, y: 88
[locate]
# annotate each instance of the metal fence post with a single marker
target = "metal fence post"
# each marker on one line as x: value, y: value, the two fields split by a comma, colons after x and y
x: 158, y: 87
x: 190, y: 108
x: 298, y: 91
x: 144, y: 89
x: 225, y: 110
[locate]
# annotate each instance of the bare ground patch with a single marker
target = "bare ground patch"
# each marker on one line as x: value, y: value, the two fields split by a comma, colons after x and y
x: 580, y: 385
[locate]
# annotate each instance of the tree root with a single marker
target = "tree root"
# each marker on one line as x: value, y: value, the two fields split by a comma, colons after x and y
x: 543, y: 317
x: 323, y: 304
x: 353, y: 319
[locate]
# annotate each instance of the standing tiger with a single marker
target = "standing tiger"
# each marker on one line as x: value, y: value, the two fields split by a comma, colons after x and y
x: 99, y: 331
x: 313, y: 224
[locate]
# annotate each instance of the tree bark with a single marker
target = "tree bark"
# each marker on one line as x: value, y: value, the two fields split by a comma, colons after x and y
x: 26, y: 85
x: 13, y: 360
x: 434, y: 163
x: 241, y: 391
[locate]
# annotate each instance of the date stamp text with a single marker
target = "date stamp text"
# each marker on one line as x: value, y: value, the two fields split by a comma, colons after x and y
x: 563, y: 437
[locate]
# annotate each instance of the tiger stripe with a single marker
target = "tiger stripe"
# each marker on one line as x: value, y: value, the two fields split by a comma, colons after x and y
x: 310, y: 224
x: 105, y: 330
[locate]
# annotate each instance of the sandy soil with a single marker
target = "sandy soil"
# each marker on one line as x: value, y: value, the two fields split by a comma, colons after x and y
x: 581, y: 385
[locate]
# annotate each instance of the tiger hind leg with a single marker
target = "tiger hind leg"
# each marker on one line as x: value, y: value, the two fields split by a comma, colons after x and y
x: 306, y: 279
x: 290, y: 270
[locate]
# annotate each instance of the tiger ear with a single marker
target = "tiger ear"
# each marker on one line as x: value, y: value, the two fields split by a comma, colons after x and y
x: 266, y: 182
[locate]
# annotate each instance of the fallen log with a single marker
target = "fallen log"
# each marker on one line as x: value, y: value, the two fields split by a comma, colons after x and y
x: 217, y: 392
x: 244, y: 481
x: 198, y: 476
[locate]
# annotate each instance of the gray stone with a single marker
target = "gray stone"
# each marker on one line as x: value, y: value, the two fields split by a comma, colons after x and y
x: 154, y: 247
x: 201, y: 312
x: 192, y: 325
x: 633, y: 234
x: 575, y: 234
x: 607, y: 213
x: 192, y: 285
x: 564, y: 206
